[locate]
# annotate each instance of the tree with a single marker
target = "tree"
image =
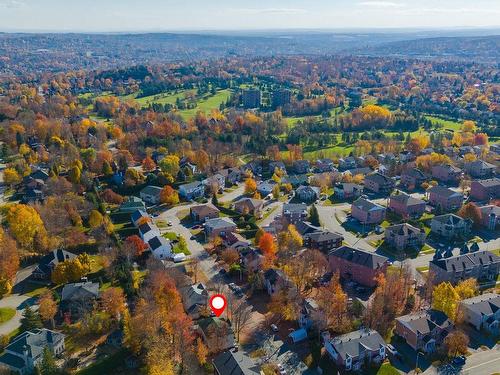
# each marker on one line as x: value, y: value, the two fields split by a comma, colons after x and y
x: 170, y: 165
x: 75, y: 174
x: 68, y: 271
x: 30, y: 320
x: 260, y: 232
x: 456, y: 343
x: 11, y: 177
x: 471, y: 211
x: 314, y: 216
x: 230, y: 256
x: 276, y: 191
x: 47, y: 308
x: 9, y: 262
x: 268, y: 248
x: 24, y: 223
x: 445, y: 298
x: 113, y: 301
x: 250, y: 186
x: 332, y: 301
x: 148, y: 164
x: 201, y: 351
x: 467, y: 288
x: 289, y: 241
x: 95, y: 219
x: 304, y: 268
x: 169, y: 196
x: 240, y: 314
x: 48, y: 365
x: 110, y: 196
x: 134, y: 246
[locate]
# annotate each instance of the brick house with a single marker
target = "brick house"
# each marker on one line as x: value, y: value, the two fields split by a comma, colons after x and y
x: 367, y: 212
x: 322, y: 240
x: 357, y: 265
x: 451, y: 226
x: 406, y: 206
x: 219, y: 227
x: 445, y: 199
x: 402, y: 236
x: 412, y: 178
x: 484, y: 190
x: 480, y: 169
x: 447, y: 173
x: 480, y: 265
x: 203, y: 212
x: 424, y: 330
x: 378, y: 183
x: 355, y: 349
x: 294, y: 213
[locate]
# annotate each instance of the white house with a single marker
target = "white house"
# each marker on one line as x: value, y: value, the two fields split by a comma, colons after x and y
x: 139, y: 216
x: 151, y: 194
x: 160, y: 247
x: 192, y: 190
x: 147, y: 231
x: 482, y: 312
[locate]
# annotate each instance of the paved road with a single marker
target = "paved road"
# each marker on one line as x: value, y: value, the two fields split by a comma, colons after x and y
x: 483, y: 362
x: 17, y: 302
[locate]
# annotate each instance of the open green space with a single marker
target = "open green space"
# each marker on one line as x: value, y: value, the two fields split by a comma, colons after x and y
x: 387, y: 369
x: 207, y: 104
x: 446, y: 124
x: 6, y: 314
x: 107, y: 365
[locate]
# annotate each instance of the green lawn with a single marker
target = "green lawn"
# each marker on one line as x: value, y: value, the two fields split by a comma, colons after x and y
x: 163, y: 98
x: 6, y: 314
x: 107, y: 365
x: 208, y: 104
x: 387, y: 369
x: 446, y: 124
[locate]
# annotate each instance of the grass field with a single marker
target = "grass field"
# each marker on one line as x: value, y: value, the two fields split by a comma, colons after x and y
x: 163, y: 98
x: 6, y: 314
x: 446, y: 124
x: 207, y: 104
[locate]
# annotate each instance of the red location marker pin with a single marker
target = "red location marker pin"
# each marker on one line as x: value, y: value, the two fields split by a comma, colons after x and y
x: 217, y: 304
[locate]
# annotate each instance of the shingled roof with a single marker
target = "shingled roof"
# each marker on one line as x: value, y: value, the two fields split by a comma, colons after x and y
x: 361, y: 257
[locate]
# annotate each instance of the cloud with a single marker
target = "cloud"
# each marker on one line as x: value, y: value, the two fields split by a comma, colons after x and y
x: 381, y: 4
x: 276, y: 11
x: 11, y: 4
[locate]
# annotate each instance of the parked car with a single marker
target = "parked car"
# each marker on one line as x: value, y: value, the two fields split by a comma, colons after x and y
x: 459, y: 361
x: 392, y: 350
x: 274, y: 328
x: 169, y: 223
x: 281, y: 369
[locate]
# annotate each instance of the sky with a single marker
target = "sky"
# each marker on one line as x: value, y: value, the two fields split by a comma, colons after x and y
x: 187, y: 15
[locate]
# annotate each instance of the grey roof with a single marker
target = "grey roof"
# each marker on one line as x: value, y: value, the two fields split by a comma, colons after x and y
x: 448, y: 219
x: 12, y: 360
x: 34, y: 341
x: 274, y: 275
x: 490, y: 209
x: 151, y: 190
x: 364, y: 171
x: 361, y: 257
x: 484, y: 304
x: 323, y: 236
x: 352, y: 343
x: 157, y: 241
x: 294, y: 207
x: 403, y: 229
x: 489, y: 182
x: 250, y: 202
x: 305, y: 227
x: 204, y: 209
x: 424, y: 322
x: 53, y: 258
x: 191, y: 185
x: 444, y: 191
x: 407, y: 200
x: 219, y: 222
x: 467, y: 261
x: 379, y: 178
x: 480, y: 164
x: 414, y: 172
x: 136, y: 215
x: 194, y: 296
x: 235, y: 363
x: 146, y: 227
x: 77, y: 291
x: 314, y: 189
x: 366, y: 205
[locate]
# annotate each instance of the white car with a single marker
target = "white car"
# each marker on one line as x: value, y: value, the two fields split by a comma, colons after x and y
x: 391, y: 349
x: 274, y: 327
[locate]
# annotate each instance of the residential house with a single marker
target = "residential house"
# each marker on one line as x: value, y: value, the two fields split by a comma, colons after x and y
x: 151, y: 194
x: 277, y: 165
x: 295, y: 180
x: 412, y: 178
x: 322, y: 240
x: 445, y: 199
x: 347, y: 190
x: 309, y: 312
x: 275, y: 280
x: 138, y: 217
x: 325, y: 165
x: 480, y: 265
x: 378, y: 183
x: 232, y: 175
x: 404, y: 236
x: 160, y: 247
x: 219, y: 227
x: 367, y: 212
x: 33, y: 196
x: 249, y: 206
x: 78, y: 298
x: 358, y: 265
x: 447, y: 173
x: 216, y: 333
x: 251, y: 259
x: 25, y: 352
x: 490, y: 217
x: 236, y: 241
x: 308, y: 193
x: 216, y: 181
x: 132, y: 204
x: 47, y: 264
x: 294, y: 212
x: 301, y: 166
x: 195, y: 299
x: 364, y: 171
x: 355, y: 349
x: 235, y: 363
x: 185, y: 164
x: 193, y: 190
x: 203, y: 212
x: 40, y: 174
x: 266, y: 187
x: 480, y: 169
x: 451, y: 226
x: 255, y: 166
x: 406, y: 206
x: 425, y: 330
x: 305, y: 227
x: 347, y: 163
x: 484, y: 190
x: 147, y: 231
x: 482, y: 312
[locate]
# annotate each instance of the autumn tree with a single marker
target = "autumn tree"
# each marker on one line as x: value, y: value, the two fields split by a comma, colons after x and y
x: 47, y: 308
x: 268, y: 247
x: 332, y: 302
x: 239, y: 313
x: 230, y: 256
x: 289, y: 241
x: 148, y: 164
x: 250, y: 186
x: 169, y: 196
x: 445, y: 298
x: 113, y: 301
x: 24, y: 223
x: 134, y: 246
x: 201, y: 351
x: 305, y: 267
x: 9, y: 262
x: 170, y: 165
x: 11, y: 177
x: 471, y: 211
x: 456, y: 343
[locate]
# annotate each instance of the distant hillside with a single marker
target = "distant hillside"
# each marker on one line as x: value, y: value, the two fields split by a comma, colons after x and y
x: 480, y: 48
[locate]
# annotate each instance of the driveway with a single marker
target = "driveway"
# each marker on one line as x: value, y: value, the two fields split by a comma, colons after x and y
x: 17, y: 302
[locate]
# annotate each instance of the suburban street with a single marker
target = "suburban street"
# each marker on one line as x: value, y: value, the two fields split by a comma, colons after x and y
x: 17, y: 302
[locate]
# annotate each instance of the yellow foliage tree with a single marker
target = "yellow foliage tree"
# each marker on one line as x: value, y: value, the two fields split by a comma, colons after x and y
x: 24, y: 223
x: 95, y: 219
x: 11, y: 177
x: 445, y: 298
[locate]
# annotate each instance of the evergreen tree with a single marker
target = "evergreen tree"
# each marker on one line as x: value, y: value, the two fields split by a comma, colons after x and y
x: 215, y: 201
x: 48, y: 365
x: 30, y: 320
x: 314, y: 216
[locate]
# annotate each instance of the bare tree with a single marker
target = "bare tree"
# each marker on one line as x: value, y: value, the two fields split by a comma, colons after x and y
x: 239, y: 313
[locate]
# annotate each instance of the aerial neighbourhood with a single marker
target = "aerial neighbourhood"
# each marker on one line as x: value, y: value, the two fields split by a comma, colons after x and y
x: 295, y: 214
